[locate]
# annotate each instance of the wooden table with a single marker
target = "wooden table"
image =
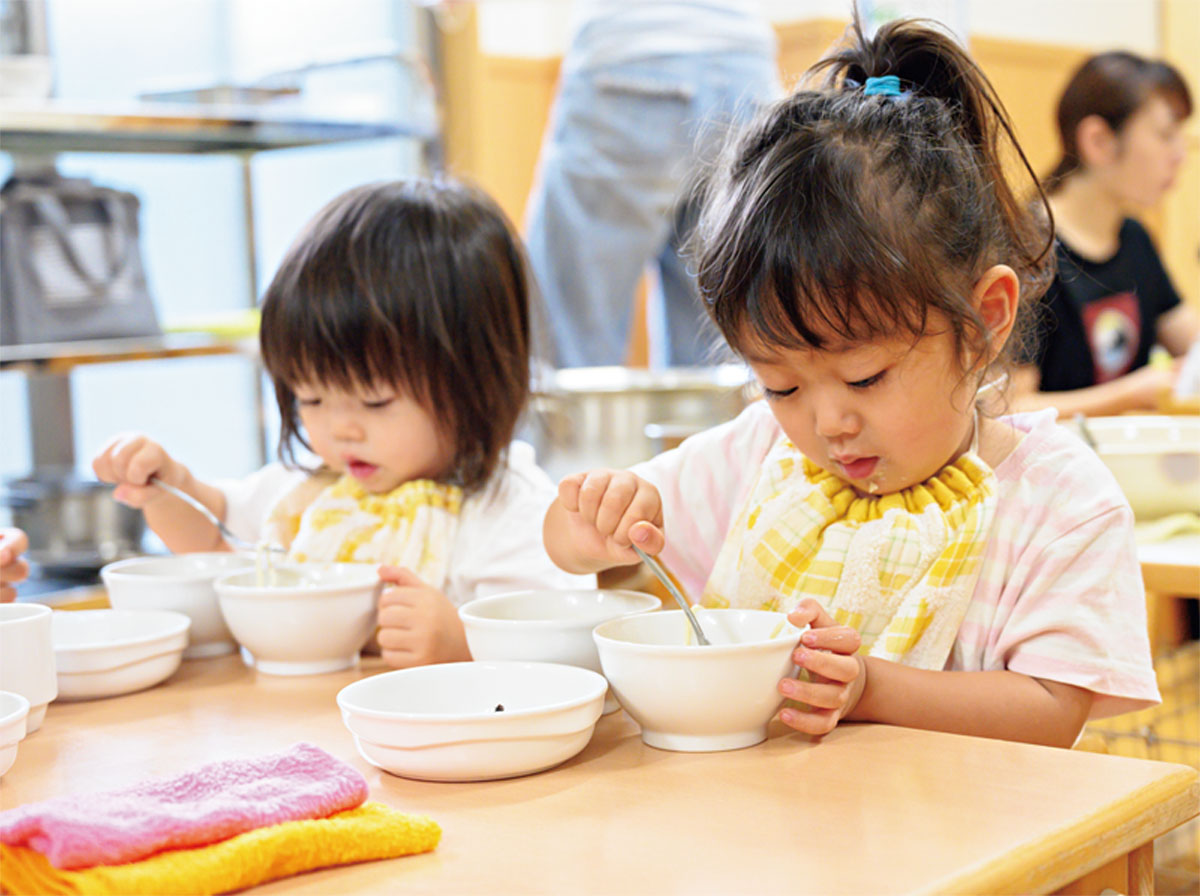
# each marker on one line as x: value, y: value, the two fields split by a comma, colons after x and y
x: 1171, y: 572
x: 870, y: 809
x: 1172, y: 567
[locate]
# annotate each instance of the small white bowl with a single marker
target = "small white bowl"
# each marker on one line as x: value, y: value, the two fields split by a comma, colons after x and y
x: 547, y: 626
x: 312, y: 617
x: 473, y: 721
x: 181, y: 582
x: 14, y: 713
x: 103, y: 653
x: 699, y: 699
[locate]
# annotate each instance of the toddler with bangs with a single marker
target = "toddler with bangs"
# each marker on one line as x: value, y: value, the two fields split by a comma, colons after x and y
x: 397, y: 334
x: 862, y: 251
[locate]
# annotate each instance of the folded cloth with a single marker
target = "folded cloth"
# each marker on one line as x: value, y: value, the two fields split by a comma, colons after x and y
x: 372, y: 831
x: 212, y: 803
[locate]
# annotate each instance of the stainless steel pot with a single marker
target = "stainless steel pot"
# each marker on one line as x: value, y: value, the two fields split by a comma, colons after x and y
x: 585, y: 417
x: 73, y: 524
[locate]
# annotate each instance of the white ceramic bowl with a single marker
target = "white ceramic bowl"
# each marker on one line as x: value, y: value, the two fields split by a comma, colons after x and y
x: 1155, y: 459
x: 692, y: 698
x: 14, y: 713
x: 102, y: 653
x: 184, y: 583
x: 312, y: 618
x: 473, y: 721
x: 27, y: 657
x: 547, y: 626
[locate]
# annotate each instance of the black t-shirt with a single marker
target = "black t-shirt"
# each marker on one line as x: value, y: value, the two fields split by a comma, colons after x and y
x: 1098, y: 321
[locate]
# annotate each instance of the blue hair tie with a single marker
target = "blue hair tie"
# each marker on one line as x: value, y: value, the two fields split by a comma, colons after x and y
x: 886, y: 85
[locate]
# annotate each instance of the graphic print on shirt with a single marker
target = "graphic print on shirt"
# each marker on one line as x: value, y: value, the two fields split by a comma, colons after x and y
x: 1114, y: 330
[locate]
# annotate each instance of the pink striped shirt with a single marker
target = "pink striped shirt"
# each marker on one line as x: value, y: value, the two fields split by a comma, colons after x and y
x: 1060, y: 595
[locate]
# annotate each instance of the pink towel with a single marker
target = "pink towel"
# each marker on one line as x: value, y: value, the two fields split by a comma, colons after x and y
x: 210, y: 804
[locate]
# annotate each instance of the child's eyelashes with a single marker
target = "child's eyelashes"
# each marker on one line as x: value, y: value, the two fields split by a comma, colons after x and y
x: 868, y: 382
x: 307, y: 402
x: 377, y: 403
x: 771, y: 394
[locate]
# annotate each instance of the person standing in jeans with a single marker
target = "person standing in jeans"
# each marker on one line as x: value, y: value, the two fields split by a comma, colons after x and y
x: 648, y: 92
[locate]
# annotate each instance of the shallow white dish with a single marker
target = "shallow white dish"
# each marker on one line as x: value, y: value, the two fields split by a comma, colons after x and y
x: 103, y: 653
x: 473, y: 721
x: 547, y: 626
x: 1154, y: 458
x: 692, y: 698
x: 312, y: 617
x: 181, y: 582
x: 14, y: 714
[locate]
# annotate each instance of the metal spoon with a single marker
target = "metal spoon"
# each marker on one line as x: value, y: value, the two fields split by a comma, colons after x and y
x: 661, y: 575
x: 239, y: 543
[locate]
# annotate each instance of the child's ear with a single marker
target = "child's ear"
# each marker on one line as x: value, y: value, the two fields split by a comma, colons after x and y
x: 996, y: 295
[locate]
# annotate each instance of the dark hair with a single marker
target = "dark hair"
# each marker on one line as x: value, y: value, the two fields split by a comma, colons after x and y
x: 1112, y: 85
x: 420, y: 284
x: 838, y: 210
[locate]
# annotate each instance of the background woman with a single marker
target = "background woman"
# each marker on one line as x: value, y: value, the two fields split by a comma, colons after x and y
x: 1120, y: 121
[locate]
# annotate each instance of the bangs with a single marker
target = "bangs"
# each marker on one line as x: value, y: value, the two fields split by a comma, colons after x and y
x: 337, y: 340
x: 338, y: 317
x: 816, y: 252
x: 826, y: 227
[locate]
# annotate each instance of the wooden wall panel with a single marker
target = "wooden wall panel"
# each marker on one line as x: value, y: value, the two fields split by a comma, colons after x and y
x: 1181, y: 217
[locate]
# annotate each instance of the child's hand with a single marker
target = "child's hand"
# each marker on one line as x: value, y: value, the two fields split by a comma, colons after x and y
x: 607, y: 510
x: 13, y: 568
x: 837, y: 674
x: 130, y: 460
x: 417, y: 623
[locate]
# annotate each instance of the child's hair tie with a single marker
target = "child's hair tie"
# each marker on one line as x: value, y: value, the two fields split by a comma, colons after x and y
x: 885, y: 85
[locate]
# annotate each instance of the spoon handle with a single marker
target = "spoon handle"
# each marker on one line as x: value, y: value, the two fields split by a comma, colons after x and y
x: 205, y: 512
x: 661, y: 575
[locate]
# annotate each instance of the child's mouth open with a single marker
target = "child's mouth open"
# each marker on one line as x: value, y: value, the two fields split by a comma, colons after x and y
x: 360, y: 469
x: 860, y: 468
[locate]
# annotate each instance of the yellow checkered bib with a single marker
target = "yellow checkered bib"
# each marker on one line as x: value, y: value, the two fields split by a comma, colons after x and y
x: 899, y: 568
x: 327, y: 517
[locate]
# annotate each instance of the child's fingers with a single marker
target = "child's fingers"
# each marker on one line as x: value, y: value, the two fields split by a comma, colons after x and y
x: 13, y: 543
x: 137, y: 496
x: 649, y: 537
x: 144, y: 461
x: 398, y: 575
x: 568, y: 491
x: 832, y: 667
x: 809, y: 612
x: 14, y: 571
x: 814, y: 721
x: 817, y: 694
x: 836, y: 638
x: 645, y: 507
x: 618, y: 497
x: 591, y: 493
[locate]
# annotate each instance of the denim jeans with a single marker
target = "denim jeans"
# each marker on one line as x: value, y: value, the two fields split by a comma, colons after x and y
x: 610, y: 196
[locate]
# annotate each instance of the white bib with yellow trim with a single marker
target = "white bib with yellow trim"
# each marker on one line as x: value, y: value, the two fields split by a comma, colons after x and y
x: 331, y: 518
x: 899, y: 568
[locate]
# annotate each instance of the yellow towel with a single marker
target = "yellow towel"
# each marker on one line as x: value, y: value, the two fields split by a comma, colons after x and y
x: 900, y: 568
x: 372, y: 831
